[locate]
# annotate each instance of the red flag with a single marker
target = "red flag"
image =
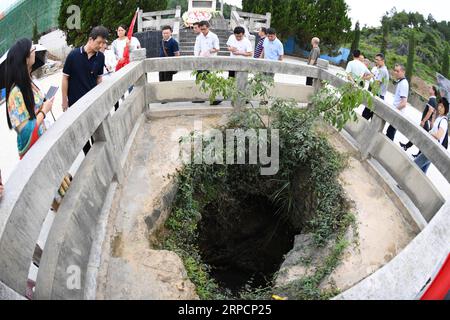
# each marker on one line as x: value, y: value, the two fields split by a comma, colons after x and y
x: 126, y: 53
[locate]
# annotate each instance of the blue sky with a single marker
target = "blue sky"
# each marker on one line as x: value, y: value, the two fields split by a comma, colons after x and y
x: 367, y: 12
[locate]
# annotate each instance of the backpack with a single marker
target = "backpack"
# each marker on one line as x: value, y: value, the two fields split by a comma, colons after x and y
x: 445, y: 142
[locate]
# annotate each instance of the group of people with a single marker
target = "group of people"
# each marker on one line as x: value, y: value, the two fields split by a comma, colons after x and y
x: 434, y: 117
x: 27, y: 106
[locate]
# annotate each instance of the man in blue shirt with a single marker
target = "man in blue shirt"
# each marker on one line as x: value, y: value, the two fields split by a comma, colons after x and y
x: 169, y: 48
x: 83, y: 70
x: 273, y: 48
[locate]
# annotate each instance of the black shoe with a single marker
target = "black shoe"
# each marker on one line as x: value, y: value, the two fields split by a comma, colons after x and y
x: 404, y: 146
x: 216, y: 103
x: 415, y: 156
x: 37, y: 256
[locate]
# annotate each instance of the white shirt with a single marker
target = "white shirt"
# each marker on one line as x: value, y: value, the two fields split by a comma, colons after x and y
x: 243, y: 46
x: 204, y: 44
x: 357, y: 69
x: 118, y: 46
x: 441, y: 123
x: 382, y: 75
x: 110, y: 61
x: 401, y: 91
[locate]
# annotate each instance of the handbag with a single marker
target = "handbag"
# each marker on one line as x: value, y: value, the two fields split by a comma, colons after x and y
x: 167, y: 55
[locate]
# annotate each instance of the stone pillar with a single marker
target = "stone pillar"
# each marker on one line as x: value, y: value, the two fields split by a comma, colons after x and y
x: 376, y: 126
x: 140, y: 21
x: 141, y: 55
x: 242, y: 82
x: 138, y: 54
x: 268, y: 19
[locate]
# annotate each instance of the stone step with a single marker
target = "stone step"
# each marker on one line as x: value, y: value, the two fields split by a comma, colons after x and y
x: 193, y: 37
x: 191, y: 47
x: 191, y: 53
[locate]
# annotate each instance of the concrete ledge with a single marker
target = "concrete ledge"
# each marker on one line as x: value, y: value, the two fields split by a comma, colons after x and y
x: 409, y: 177
x: 229, y: 63
x: 177, y: 91
x: 389, y: 185
x: 69, y: 243
x: 166, y: 111
x: 405, y: 172
x: 399, y: 197
x: 358, y: 130
x: 90, y: 287
x: 6, y: 293
x: 33, y: 185
x: 408, y: 273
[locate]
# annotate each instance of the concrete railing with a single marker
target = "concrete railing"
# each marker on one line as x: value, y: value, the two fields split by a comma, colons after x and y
x: 33, y: 185
x: 156, y: 20
x: 254, y: 22
x: 69, y: 247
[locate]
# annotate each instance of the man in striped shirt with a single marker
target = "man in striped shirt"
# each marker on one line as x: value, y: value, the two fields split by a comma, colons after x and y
x: 260, y: 46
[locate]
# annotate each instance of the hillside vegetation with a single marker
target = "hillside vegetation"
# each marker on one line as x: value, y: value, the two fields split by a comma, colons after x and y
x: 432, y: 44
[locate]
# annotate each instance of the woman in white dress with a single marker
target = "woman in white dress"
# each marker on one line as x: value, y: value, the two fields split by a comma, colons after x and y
x: 118, y: 45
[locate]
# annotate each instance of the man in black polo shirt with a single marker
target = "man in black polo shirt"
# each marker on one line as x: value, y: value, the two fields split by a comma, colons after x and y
x: 83, y: 70
x: 169, y: 48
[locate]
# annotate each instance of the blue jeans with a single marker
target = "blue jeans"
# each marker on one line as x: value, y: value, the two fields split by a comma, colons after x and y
x: 423, y: 163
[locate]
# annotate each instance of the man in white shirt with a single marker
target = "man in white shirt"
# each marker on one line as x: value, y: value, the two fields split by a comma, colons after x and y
x: 400, y: 97
x: 381, y: 78
x: 207, y: 43
x: 239, y: 46
x: 357, y: 70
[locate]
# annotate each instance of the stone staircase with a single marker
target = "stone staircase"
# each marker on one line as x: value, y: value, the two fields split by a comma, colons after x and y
x: 187, y: 41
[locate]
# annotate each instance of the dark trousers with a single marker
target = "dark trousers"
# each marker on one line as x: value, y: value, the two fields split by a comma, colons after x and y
x: 391, y: 131
x: 309, y: 81
x: 165, y: 76
x: 367, y: 113
x: 427, y: 129
x: 88, y: 146
x: 201, y: 73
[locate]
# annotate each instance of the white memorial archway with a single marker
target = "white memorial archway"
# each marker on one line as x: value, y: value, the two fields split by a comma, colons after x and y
x: 202, y: 5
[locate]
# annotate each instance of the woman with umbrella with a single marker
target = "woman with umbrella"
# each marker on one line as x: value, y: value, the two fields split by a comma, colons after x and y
x: 25, y: 103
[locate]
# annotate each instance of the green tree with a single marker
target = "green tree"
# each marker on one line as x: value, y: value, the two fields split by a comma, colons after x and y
x: 330, y: 22
x: 172, y: 4
x: 258, y: 6
x: 356, y: 39
x: 282, y: 17
x: 445, y: 63
x: 411, y: 56
x: 384, y: 40
x: 304, y: 19
x: 109, y: 13
x: 35, y: 33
